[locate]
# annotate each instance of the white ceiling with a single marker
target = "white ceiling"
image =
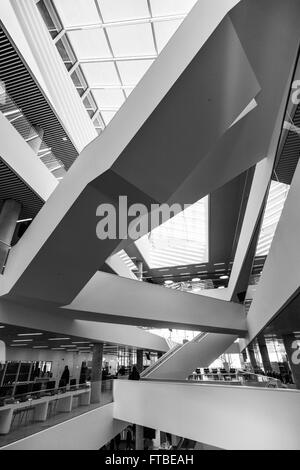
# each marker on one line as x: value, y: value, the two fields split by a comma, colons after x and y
x: 116, y: 41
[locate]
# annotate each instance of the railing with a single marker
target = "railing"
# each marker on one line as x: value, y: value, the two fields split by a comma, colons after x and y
x: 239, y: 378
x: 52, y: 405
x: 169, y: 354
x: 161, y: 360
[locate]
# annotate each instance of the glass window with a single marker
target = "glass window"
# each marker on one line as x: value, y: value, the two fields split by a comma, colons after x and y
x: 50, y: 17
x: 90, y: 104
x: 66, y: 52
x: 79, y: 81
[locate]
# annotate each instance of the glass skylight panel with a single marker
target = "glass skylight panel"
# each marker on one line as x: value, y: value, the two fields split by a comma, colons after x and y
x: 79, y: 81
x: 101, y: 73
x: 107, y: 98
x: 275, y: 204
x: 182, y: 240
x: 77, y: 12
x: 164, y: 30
x: 50, y: 17
x: 117, y: 10
x: 132, y: 40
x: 107, y: 116
x: 65, y: 50
x: 89, y: 44
x: 171, y: 7
x: 132, y: 71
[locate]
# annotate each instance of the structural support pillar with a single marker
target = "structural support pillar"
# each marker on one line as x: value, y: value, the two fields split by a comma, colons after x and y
x: 252, y: 357
x: 139, y: 360
x: 293, y: 355
x: 139, y: 437
x: 264, y: 354
x: 139, y: 273
x: 96, y: 376
x: 8, y: 220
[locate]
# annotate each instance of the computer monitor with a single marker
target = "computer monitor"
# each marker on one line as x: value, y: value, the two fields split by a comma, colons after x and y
x: 50, y: 385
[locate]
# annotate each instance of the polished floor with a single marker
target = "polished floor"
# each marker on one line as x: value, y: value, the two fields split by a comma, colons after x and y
x: 22, y: 431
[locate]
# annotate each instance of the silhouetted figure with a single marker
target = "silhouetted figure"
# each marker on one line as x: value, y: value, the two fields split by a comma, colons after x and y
x: 129, y: 440
x: 134, y: 374
x: 118, y: 441
x: 65, y: 378
x: 122, y: 371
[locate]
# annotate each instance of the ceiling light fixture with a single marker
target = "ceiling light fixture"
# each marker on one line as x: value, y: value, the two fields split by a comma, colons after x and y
x: 224, y: 277
x: 29, y: 334
x: 58, y: 339
x: 196, y: 279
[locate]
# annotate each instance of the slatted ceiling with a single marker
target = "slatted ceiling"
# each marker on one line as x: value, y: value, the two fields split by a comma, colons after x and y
x: 290, y: 154
x: 25, y: 92
x: 11, y: 186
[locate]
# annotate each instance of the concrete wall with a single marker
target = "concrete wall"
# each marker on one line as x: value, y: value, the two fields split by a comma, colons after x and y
x: 89, y: 431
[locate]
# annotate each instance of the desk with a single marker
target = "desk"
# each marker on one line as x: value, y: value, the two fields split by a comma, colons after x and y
x: 65, y: 401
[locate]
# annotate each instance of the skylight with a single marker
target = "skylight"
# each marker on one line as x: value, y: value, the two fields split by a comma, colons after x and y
x: 182, y: 240
x: 114, y: 43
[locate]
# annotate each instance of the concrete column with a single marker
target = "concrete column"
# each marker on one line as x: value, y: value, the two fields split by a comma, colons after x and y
x: 252, y: 357
x: 139, y: 273
x: 139, y: 437
x: 291, y: 348
x: 8, y: 220
x: 140, y: 360
x: 2, y: 352
x: 96, y: 376
x: 264, y: 353
x: 157, y: 441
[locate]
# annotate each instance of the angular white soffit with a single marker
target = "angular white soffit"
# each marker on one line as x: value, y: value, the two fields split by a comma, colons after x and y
x: 184, y: 45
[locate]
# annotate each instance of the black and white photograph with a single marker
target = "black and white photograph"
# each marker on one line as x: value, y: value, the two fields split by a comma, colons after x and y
x: 149, y: 228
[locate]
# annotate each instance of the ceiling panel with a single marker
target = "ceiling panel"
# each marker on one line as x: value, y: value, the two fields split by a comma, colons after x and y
x: 89, y: 44
x: 132, y: 71
x: 101, y: 73
x: 107, y: 116
x: 85, y: 12
x: 116, y: 10
x: 109, y: 98
x: 164, y: 30
x: 132, y: 40
x: 171, y: 7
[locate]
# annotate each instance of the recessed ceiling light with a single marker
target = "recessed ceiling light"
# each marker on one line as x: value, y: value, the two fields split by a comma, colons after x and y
x: 168, y: 283
x: 221, y: 287
x: 58, y: 339
x: 224, y: 277
x: 196, y: 279
x: 1, y: 326
x: 65, y: 139
x: 29, y: 334
x: 17, y: 345
x: 21, y: 340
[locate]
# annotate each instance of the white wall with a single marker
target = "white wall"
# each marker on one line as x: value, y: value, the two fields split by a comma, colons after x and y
x: 229, y: 417
x: 89, y: 431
